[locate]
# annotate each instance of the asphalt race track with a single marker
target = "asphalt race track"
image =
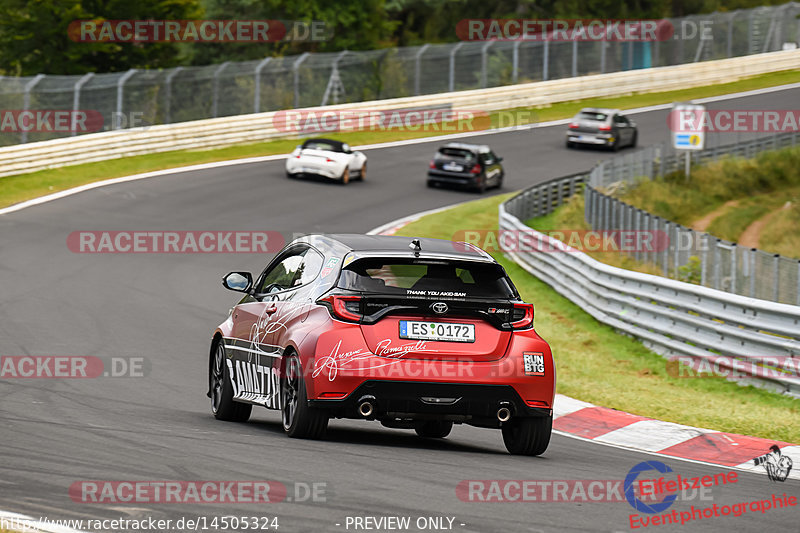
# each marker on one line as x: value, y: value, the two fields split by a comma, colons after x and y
x: 163, y: 308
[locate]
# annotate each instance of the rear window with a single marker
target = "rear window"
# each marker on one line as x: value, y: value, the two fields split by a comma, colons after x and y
x: 454, y: 153
x: 591, y: 115
x: 424, y: 278
x: 322, y: 145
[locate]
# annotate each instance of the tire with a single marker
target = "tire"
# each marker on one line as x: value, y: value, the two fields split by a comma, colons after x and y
x: 635, y: 139
x: 344, y: 179
x: 500, y: 180
x: 431, y: 184
x: 299, y: 420
x: 363, y: 173
x: 223, y: 406
x: 616, y: 146
x: 527, y: 436
x: 433, y: 429
x: 570, y: 144
x: 480, y: 189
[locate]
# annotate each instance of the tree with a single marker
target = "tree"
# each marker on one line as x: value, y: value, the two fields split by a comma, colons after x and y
x: 350, y: 25
x: 34, y: 36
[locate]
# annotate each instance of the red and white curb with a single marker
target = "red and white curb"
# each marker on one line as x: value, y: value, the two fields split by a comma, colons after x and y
x: 610, y: 427
x: 585, y: 421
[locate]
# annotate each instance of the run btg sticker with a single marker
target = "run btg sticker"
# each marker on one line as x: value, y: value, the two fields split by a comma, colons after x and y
x: 533, y: 363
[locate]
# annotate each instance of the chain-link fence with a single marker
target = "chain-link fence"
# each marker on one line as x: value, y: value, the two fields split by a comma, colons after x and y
x: 690, y: 255
x: 147, y: 97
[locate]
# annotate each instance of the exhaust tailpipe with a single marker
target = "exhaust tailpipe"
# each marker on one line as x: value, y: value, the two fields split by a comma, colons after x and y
x: 504, y: 413
x: 366, y: 406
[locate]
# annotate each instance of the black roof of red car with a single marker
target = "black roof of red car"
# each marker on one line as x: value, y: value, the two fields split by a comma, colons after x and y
x: 356, y: 242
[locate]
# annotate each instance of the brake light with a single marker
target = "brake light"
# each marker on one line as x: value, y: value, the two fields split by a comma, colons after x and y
x: 334, y: 395
x: 328, y: 160
x: 604, y: 127
x: 522, y: 316
x: 343, y: 307
x: 537, y: 403
x: 298, y: 156
x: 433, y: 164
x: 476, y: 169
x: 574, y: 125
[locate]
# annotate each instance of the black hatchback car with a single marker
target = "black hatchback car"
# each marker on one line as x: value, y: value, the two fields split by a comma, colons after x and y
x: 472, y: 166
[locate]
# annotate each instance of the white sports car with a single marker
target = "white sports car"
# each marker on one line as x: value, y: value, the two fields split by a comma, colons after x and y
x: 327, y: 158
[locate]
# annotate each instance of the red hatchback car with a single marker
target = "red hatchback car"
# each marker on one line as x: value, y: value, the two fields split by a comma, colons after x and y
x: 415, y: 333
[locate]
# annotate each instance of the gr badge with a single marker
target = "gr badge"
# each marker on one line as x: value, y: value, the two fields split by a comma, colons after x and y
x: 533, y: 363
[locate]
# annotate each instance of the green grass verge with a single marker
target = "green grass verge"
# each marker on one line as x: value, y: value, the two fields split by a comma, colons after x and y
x: 598, y: 365
x: 570, y: 216
x: 781, y: 235
x: 24, y: 187
x: 732, y: 223
x: 760, y: 185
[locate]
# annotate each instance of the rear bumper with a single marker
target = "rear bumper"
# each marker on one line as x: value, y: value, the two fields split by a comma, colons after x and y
x: 325, y: 171
x: 340, y: 369
x: 450, y: 178
x: 420, y: 399
x: 590, y: 138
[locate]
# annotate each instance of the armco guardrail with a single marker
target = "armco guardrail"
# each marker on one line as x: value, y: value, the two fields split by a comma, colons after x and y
x: 672, y: 318
x: 676, y: 319
x: 692, y: 255
x: 227, y: 131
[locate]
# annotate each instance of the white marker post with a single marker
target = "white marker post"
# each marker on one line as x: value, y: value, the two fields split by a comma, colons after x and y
x: 687, y: 124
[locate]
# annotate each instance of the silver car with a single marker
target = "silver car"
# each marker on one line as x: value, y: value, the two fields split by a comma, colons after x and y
x: 601, y: 127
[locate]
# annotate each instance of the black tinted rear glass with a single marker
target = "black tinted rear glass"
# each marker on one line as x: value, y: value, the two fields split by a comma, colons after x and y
x: 454, y: 153
x: 322, y: 145
x: 591, y: 115
x: 422, y: 278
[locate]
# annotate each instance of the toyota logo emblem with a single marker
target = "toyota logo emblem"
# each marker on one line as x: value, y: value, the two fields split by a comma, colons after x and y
x: 439, y: 308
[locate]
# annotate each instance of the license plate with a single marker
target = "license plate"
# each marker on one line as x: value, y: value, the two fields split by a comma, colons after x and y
x: 453, y: 167
x: 437, y: 331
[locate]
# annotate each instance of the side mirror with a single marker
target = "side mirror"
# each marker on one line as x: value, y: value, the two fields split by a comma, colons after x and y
x: 499, y: 159
x: 238, y: 281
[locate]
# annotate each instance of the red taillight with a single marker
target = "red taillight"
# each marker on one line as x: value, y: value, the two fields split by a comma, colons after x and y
x: 328, y: 160
x: 335, y: 395
x: 522, y: 316
x: 476, y: 169
x: 536, y: 403
x: 298, y: 156
x: 343, y: 307
x: 432, y: 165
x: 574, y: 125
x: 604, y: 127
